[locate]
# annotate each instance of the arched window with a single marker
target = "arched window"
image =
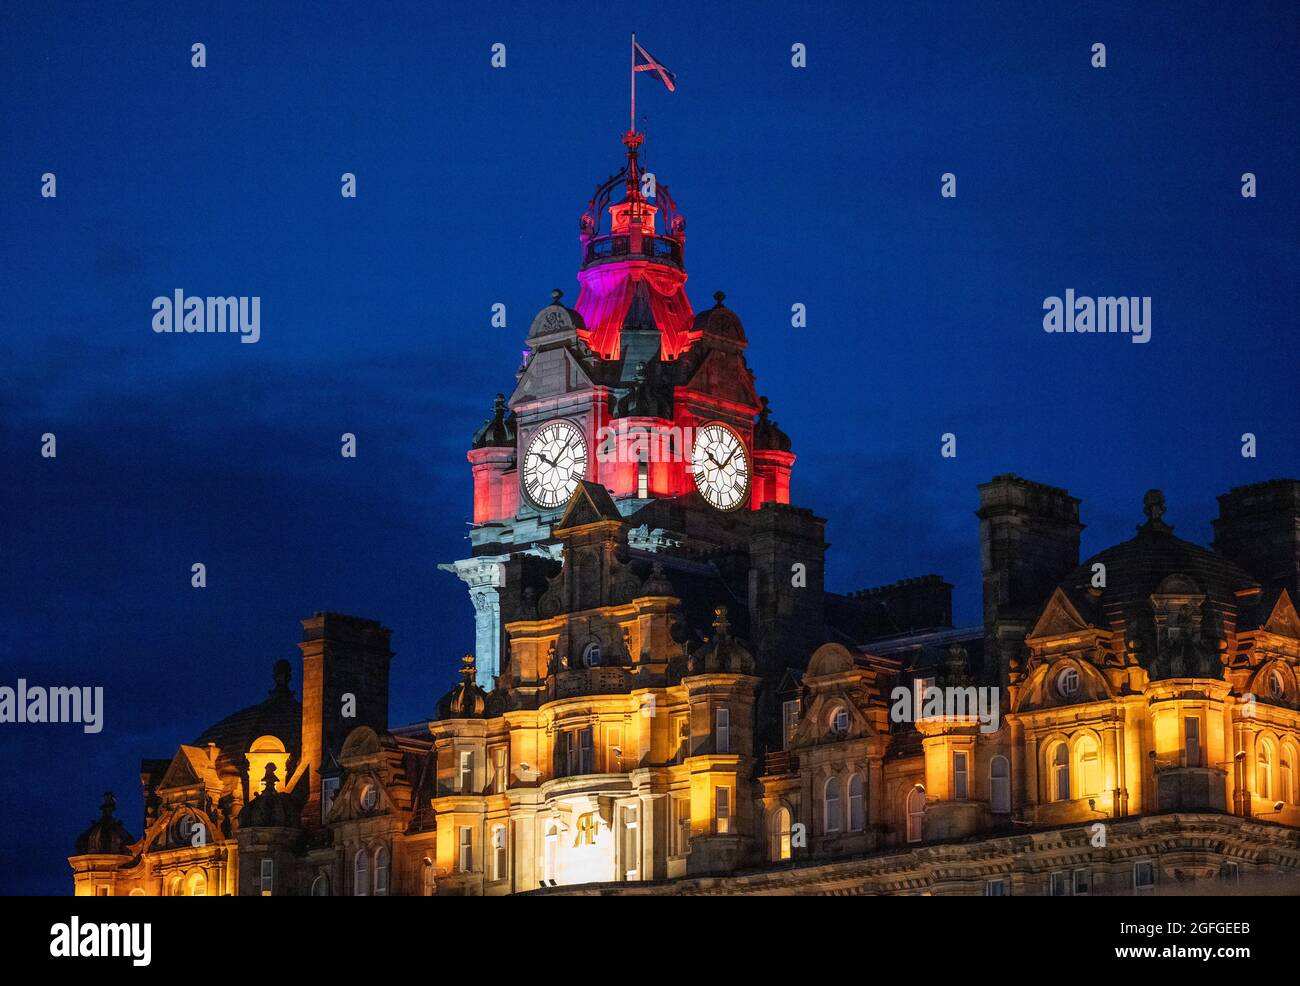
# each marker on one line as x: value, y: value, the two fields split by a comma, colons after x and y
x: 1089, y: 767
x: 196, y: 884
x: 1000, y: 785
x: 779, y: 835
x: 1067, y: 682
x: 361, y: 874
x: 1264, y: 770
x: 915, y: 813
x: 381, y: 871
x: 831, y: 804
x: 857, y: 816
x: 1276, y: 684
x: 499, y: 852
x: 591, y: 654
x: 175, y: 885
x: 369, y: 797
x: 550, y: 857
x: 320, y: 887
x: 1287, y: 774
x: 1060, y: 773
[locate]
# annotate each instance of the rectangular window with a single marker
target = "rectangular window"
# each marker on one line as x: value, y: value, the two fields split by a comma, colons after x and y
x: 631, y: 844
x: 466, y: 859
x: 1144, y: 876
x: 499, y: 853
x: 682, y: 731
x: 500, y: 770
x: 1082, y: 881
x: 329, y: 787
x: 1060, y: 884
x: 614, y: 759
x: 995, y: 888
x: 723, y: 731
x: 723, y: 813
x: 681, y: 826
x: 1192, y: 737
x: 466, y: 771
x: 268, y: 877
x: 789, y: 723
x: 1230, y: 872
x: 586, y: 752
x: 959, y: 787
x: 101, y: 891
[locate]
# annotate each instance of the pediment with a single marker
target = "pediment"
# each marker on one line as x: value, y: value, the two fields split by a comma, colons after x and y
x: 590, y: 504
x: 1059, y: 617
x: 1284, y: 621
x: 190, y: 766
x: 551, y: 373
x: 725, y: 375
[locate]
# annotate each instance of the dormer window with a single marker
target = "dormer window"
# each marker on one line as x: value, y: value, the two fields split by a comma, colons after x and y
x: 1067, y: 682
x: 591, y: 655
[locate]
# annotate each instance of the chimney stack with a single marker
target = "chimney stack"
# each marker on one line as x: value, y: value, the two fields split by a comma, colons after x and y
x: 1259, y: 529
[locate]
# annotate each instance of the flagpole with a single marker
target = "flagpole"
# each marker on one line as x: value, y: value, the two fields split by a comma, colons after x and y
x: 632, y: 121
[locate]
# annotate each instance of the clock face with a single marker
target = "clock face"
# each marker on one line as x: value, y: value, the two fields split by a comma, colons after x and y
x: 556, y: 459
x: 720, y: 466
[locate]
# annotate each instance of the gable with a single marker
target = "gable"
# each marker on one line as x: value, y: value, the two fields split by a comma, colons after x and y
x: 189, y: 767
x: 1059, y: 617
x: 550, y: 373
x: 1284, y: 621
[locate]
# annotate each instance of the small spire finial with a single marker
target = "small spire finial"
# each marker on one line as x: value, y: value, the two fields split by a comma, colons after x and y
x: 1153, y: 505
x: 719, y: 297
x: 467, y: 667
x: 109, y: 805
x: 720, y: 622
x: 280, y: 674
x: 556, y: 295
x: 268, y: 779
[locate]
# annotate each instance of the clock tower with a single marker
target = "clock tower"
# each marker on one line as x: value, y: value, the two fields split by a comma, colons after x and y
x: 635, y: 391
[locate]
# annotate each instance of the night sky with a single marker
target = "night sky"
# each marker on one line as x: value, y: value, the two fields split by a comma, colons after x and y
x: 817, y: 186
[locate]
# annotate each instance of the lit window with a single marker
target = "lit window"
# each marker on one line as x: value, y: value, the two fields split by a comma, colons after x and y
x: 196, y: 884
x: 724, y: 730
x: 466, y: 771
x: 361, y: 874
x: 779, y: 835
x: 789, y: 723
x: 857, y: 815
x: 268, y: 877
x: 499, y: 852
x: 1061, y: 773
x: 915, y: 814
x: 500, y: 770
x: 722, y: 811
x: 1286, y: 774
x: 614, y: 759
x: 1000, y: 785
x: 631, y: 844
x: 1264, y: 771
x: 466, y: 859
x: 959, y: 785
x: 831, y: 804
x: 1089, y: 767
x: 381, y: 871
x: 1067, y: 682
x: 681, y: 826
x: 551, y: 854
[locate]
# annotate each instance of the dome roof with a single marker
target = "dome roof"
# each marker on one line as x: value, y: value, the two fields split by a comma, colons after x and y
x: 721, y: 653
x: 498, y: 431
x: 466, y: 700
x: 720, y: 322
x: 1137, y: 568
x: 766, y: 433
x: 280, y: 715
x: 106, y: 835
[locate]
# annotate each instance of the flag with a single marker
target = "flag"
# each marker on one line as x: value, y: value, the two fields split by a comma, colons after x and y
x: 643, y: 61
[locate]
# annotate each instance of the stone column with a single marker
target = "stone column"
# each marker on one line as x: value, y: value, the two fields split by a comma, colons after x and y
x: 485, y: 576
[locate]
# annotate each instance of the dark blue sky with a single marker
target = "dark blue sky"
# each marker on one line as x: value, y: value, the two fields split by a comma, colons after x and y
x: 818, y: 186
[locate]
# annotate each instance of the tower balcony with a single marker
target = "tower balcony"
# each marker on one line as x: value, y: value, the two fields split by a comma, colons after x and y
x: 632, y: 245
